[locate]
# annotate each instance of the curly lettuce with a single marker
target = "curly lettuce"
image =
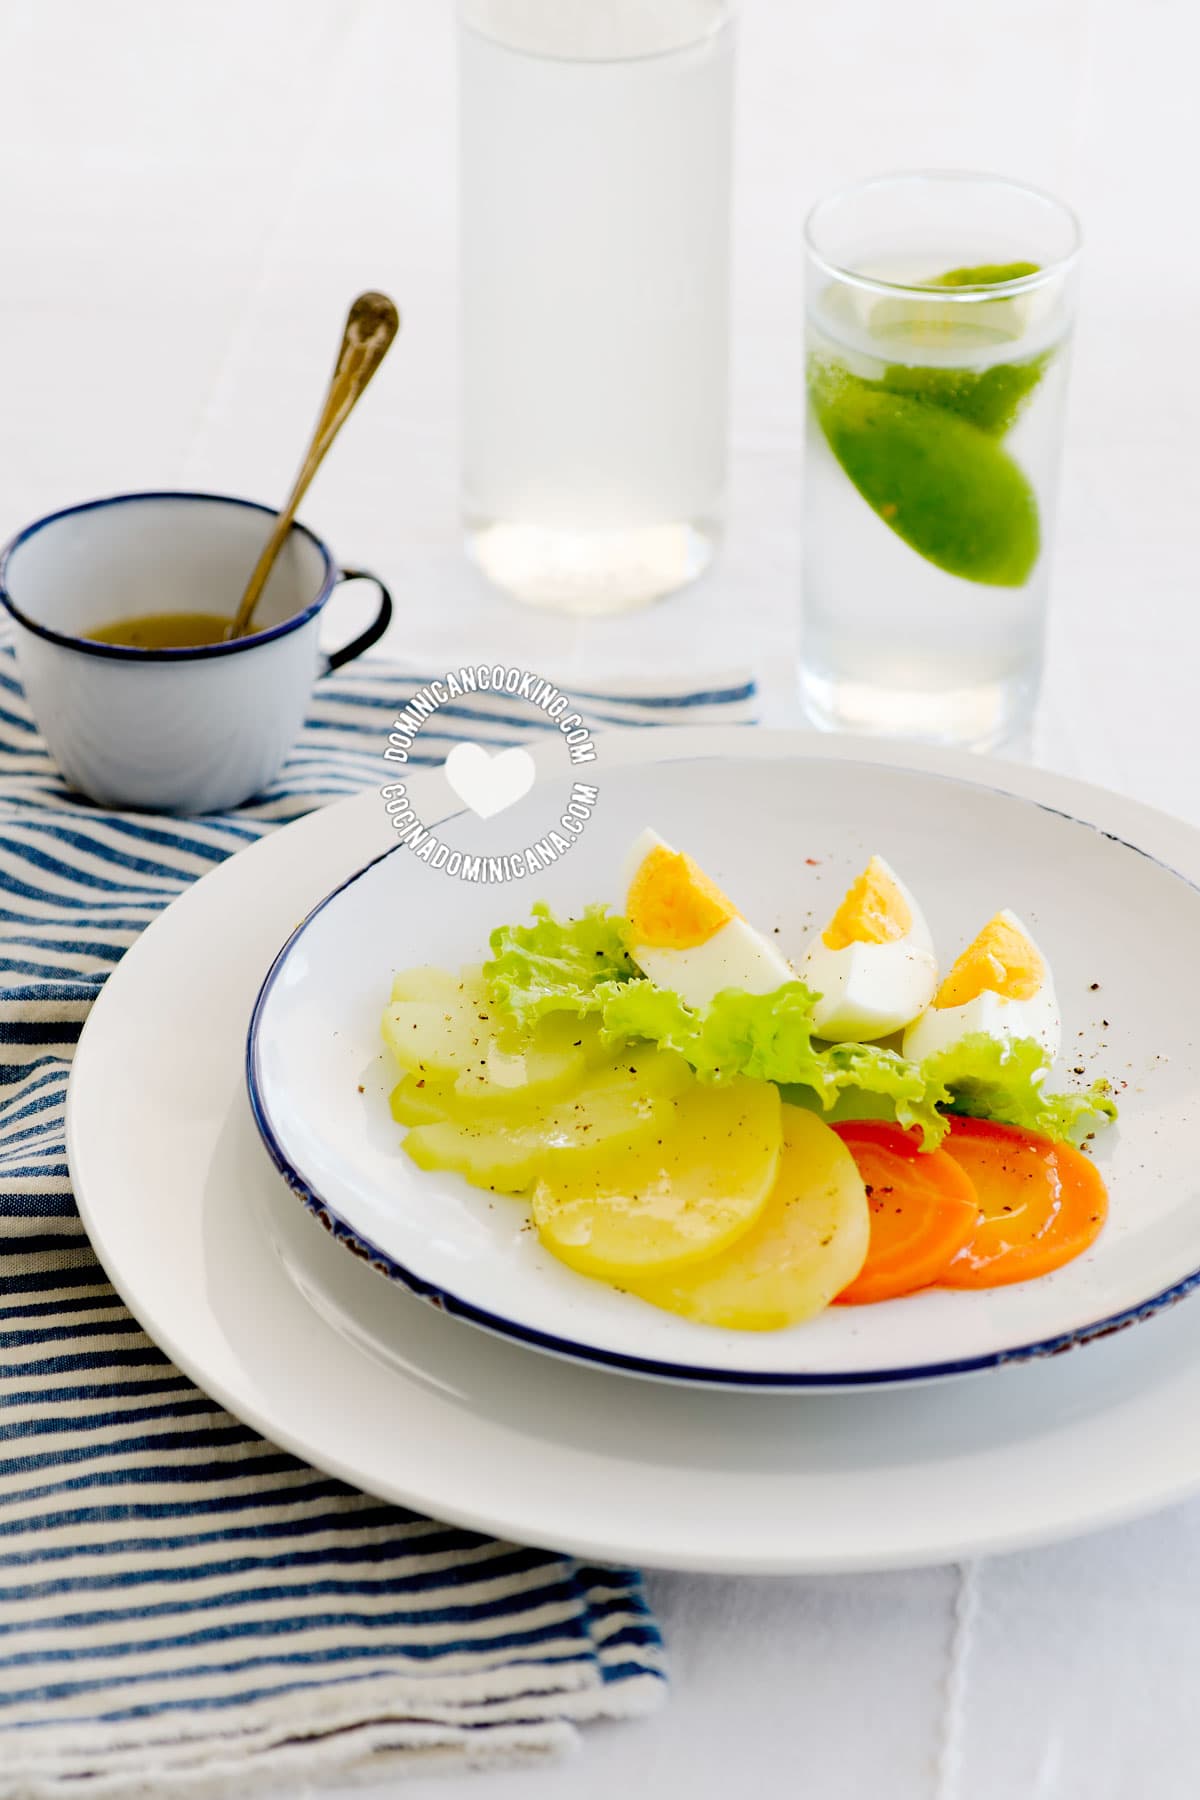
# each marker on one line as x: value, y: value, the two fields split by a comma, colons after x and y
x: 557, y: 965
x: 582, y: 966
x: 771, y: 1037
x: 989, y: 1079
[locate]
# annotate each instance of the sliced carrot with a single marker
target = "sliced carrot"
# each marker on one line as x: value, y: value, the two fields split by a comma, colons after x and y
x: 923, y: 1210
x: 1043, y: 1203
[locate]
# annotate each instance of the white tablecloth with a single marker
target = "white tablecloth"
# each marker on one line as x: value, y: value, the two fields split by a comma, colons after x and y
x: 190, y: 190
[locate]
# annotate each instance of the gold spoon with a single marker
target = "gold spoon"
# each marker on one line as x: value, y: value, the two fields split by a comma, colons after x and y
x: 371, y: 324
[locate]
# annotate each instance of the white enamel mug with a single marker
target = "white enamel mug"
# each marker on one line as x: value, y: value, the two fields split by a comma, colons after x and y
x: 192, y: 730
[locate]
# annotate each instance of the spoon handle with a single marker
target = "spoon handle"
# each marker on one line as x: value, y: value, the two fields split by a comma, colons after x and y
x: 371, y: 325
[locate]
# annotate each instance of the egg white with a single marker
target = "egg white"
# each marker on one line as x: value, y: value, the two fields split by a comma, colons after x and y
x: 735, y: 956
x: 871, y: 990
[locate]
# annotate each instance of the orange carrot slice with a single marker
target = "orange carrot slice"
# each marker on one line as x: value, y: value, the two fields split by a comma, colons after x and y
x: 923, y: 1211
x: 1042, y: 1202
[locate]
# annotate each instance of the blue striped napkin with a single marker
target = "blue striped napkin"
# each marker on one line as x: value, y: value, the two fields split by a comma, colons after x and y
x: 182, y: 1606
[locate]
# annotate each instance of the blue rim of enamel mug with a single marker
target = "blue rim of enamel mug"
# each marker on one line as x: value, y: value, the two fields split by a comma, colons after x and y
x: 762, y: 1381
x: 186, y: 653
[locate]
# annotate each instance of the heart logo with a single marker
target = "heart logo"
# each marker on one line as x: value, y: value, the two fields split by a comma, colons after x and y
x: 489, y: 784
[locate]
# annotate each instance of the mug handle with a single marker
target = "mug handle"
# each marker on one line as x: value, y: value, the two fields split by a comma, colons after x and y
x: 375, y: 630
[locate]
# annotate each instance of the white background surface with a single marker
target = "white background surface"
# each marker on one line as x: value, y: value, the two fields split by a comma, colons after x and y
x: 191, y: 190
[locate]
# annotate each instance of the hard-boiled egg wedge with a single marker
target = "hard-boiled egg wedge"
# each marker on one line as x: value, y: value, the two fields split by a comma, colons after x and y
x: 1000, y: 985
x: 685, y: 934
x: 873, y: 964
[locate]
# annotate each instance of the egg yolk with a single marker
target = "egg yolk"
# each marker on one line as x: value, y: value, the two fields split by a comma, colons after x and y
x: 1000, y: 961
x: 873, y: 912
x: 672, y: 904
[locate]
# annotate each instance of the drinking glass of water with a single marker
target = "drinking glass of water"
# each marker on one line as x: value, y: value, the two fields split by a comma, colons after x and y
x: 938, y: 320
x: 594, y: 178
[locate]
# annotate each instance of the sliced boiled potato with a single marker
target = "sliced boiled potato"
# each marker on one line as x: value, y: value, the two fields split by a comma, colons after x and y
x: 509, y: 1072
x: 444, y: 1028
x: 488, y: 1156
x: 441, y: 1024
x: 808, y: 1242
x: 416, y: 1101
x: 626, y: 1103
x: 428, y: 982
x: 639, y: 1208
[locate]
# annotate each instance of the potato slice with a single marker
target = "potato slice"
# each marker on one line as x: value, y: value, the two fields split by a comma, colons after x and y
x: 444, y: 1029
x: 428, y: 982
x: 545, y: 1066
x: 629, y: 1102
x: 636, y: 1209
x: 505, y: 1162
x: 809, y: 1241
x: 416, y: 1101
x: 440, y: 1024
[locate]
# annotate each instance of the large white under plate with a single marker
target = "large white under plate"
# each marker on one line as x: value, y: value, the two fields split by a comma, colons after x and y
x: 250, y: 1296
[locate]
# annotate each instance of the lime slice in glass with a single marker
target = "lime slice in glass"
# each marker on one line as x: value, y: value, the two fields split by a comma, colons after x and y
x: 932, y: 326
x: 984, y: 275
x: 947, y: 488
x: 989, y: 398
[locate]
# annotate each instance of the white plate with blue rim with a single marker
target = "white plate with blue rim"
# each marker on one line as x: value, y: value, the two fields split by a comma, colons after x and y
x: 784, y: 838
x: 254, y: 1299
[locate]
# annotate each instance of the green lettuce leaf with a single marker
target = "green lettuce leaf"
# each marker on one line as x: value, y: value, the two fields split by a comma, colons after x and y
x: 770, y: 1037
x: 988, y: 1079
x: 558, y: 965
x: 582, y: 966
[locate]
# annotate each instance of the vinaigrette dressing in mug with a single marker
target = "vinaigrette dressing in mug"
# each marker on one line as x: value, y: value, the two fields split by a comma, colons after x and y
x: 163, y: 631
